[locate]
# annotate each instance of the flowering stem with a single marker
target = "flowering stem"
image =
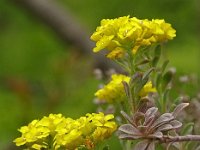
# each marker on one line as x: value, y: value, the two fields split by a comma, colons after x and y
x: 122, y: 65
x: 132, y: 67
x: 50, y: 143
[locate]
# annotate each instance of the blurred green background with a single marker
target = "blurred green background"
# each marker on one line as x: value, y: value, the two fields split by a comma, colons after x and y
x: 41, y: 74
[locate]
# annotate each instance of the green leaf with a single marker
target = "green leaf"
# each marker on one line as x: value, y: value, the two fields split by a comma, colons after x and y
x: 165, y: 63
x: 155, y: 61
x: 147, y: 73
x: 165, y: 95
x: 82, y: 148
x: 145, y: 61
x: 127, y: 89
x: 158, y: 80
x: 106, y: 147
x: 137, y: 77
x: 139, y: 85
x: 188, y: 128
x: 167, y: 78
x: 156, y: 56
x: 158, y: 50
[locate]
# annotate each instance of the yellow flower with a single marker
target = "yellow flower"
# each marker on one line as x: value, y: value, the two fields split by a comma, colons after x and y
x: 166, y: 32
x: 130, y: 34
x: 103, y: 42
x: 148, y: 87
x: 104, y: 126
x: 66, y: 133
x: 116, y: 53
x: 114, y: 90
x: 51, y: 121
x: 31, y: 133
x: 69, y: 140
x: 38, y: 146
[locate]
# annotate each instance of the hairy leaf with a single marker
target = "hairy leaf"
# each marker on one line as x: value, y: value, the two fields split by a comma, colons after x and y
x: 150, y: 116
x: 151, y: 146
x: 179, y: 108
x: 164, y: 118
x: 143, y: 145
x: 129, y: 129
x: 151, y: 112
x: 156, y: 135
x: 176, y: 124
x: 125, y: 136
x: 126, y: 117
x: 165, y: 127
x: 126, y: 88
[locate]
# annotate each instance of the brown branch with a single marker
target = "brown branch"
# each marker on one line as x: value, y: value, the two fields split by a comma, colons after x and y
x: 60, y: 20
x: 168, y: 139
x: 66, y: 27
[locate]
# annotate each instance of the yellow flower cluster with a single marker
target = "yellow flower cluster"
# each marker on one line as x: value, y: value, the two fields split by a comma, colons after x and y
x: 57, y: 132
x: 125, y: 33
x: 114, y: 90
x: 148, y: 87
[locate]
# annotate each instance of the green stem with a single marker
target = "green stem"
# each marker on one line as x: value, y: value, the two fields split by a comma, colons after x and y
x: 122, y: 65
x: 132, y: 64
x: 50, y: 143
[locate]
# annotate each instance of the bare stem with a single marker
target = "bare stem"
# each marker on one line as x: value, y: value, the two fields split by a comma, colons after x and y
x: 168, y: 139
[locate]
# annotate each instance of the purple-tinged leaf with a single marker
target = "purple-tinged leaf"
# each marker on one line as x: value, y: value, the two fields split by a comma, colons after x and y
x: 150, y: 115
x: 148, y: 122
x: 156, y: 135
x: 143, y: 145
x: 164, y: 118
x: 129, y: 129
x: 127, y: 89
x: 179, y: 108
x: 142, y: 128
x: 151, y: 112
x: 151, y: 146
x: 125, y: 136
x: 138, y: 116
x: 165, y: 127
x: 126, y: 117
x: 176, y: 124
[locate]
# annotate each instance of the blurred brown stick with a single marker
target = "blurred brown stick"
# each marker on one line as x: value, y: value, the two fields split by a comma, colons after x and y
x: 66, y: 27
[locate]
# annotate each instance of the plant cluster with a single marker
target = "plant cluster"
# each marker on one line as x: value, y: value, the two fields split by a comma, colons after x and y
x: 145, y: 113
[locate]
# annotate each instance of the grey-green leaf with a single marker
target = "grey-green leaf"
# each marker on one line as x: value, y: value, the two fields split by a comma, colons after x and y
x: 179, y: 108
x: 129, y: 129
x: 164, y: 118
x: 176, y: 124
x: 143, y: 145
x: 125, y: 136
x: 165, y: 127
x: 156, y: 135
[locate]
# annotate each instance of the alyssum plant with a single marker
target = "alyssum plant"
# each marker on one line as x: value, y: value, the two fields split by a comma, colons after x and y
x: 139, y: 97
